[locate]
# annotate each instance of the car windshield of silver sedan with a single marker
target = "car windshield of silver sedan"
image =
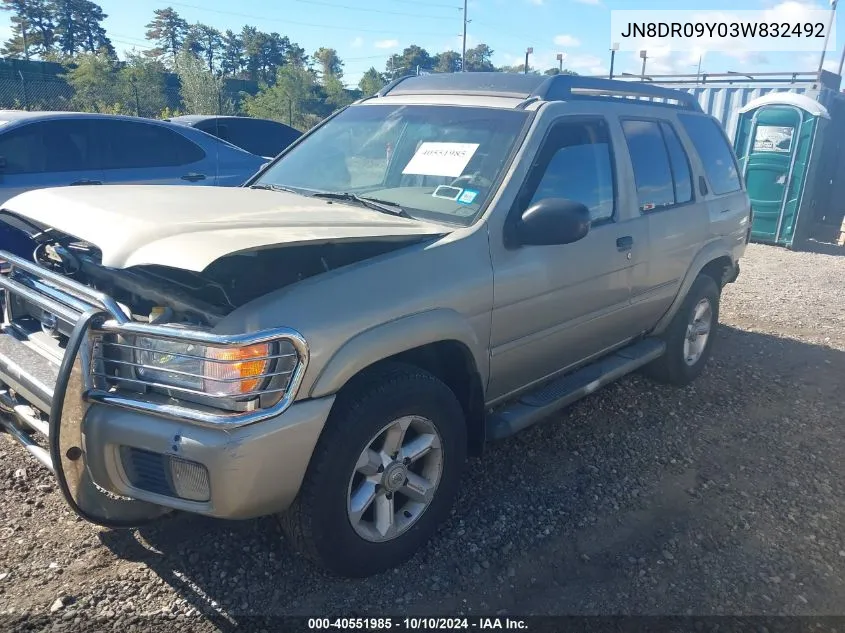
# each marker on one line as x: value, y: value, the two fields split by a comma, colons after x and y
x: 432, y: 162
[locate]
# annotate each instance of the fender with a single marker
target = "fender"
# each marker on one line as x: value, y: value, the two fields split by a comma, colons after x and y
x: 394, y: 337
x: 711, y: 251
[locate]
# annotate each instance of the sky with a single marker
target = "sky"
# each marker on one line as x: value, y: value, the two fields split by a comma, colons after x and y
x: 366, y: 32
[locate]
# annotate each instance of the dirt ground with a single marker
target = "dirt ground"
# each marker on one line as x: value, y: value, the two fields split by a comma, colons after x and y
x: 726, y: 497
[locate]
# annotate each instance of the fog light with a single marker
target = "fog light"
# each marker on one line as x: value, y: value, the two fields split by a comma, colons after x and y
x: 190, y: 480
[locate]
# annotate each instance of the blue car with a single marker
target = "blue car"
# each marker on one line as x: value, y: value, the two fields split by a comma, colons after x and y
x: 54, y: 149
x: 259, y: 136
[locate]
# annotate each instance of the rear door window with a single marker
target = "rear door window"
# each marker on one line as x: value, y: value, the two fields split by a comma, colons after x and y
x: 135, y: 145
x: 681, y: 174
x: 263, y: 138
x: 650, y: 160
x: 715, y: 152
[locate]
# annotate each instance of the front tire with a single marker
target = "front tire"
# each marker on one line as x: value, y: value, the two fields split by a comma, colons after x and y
x: 383, y: 475
x: 689, y: 338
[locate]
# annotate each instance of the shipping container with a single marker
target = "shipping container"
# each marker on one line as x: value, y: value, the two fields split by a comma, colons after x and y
x: 813, y: 203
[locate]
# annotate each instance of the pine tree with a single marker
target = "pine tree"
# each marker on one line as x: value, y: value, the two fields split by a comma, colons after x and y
x: 168, y: 31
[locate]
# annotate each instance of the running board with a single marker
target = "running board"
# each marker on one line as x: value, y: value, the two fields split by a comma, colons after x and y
x: 538, y: 404
x: 18, y: 420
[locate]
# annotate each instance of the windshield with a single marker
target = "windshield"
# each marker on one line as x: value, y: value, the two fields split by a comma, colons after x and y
x: 436, y: 162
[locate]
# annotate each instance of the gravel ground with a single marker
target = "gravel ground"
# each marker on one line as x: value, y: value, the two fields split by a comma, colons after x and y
x: 723, y: 498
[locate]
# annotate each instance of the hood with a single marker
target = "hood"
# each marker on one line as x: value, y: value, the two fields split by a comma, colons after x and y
x: 190, y: 227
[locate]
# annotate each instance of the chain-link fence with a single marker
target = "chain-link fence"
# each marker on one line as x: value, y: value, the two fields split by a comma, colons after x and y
x: 44, y: 93
x: 44, y: 86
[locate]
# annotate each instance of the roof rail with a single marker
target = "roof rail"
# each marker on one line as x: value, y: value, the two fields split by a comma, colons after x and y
x: 390, y: 86
x: 530, y: 87
x: 570, y: 87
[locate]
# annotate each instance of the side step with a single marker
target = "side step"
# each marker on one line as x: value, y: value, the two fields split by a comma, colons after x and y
x: 18, y: 420
x: 536, y: 405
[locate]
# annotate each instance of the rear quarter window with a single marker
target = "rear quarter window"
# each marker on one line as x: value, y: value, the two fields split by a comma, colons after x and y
x: 715, y: 152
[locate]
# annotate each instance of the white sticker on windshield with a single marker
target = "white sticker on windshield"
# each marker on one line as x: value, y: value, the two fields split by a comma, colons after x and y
x: 441, y: 159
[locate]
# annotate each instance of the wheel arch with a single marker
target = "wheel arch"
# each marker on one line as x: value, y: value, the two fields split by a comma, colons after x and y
x: 715, y: 261
x: 439, y: 342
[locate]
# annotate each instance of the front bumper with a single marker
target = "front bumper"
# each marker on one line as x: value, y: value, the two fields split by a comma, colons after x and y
x: 252, y: 471
x: 111, y: 453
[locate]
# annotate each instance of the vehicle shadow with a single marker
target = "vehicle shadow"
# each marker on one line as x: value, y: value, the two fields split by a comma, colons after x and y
x: 642, y: 499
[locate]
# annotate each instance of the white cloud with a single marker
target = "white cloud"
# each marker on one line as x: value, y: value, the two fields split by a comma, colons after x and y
x: 793, y: 10
x: 567, y: 40
x: 386, y: 43
x: 582, y: 62
x: 747, y: 57
x: 811, y: 60
x: 358, y: 42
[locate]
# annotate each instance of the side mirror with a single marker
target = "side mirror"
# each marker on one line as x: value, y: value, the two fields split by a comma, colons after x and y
x: 553, y: 221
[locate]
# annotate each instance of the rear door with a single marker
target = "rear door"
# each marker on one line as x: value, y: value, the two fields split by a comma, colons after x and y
x: 676, y: 217
x: 47, y: 154
x: 144, y: 153
x: 727, y: 202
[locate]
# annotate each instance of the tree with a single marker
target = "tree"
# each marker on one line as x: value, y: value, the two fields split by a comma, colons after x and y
x: 78, y: 27
x: 141, y: 84
x: 295, y: 55
x: 232, y: 59
x: 408, y: 62
x: 447, y: 62
x: 557, y: 71
x: 516, y: 69
x: 292, y: 99
x: 168, y: 31
x: 478, y: 59
x: 336, y: 95
x: 330, y: 63
x: 202, y: 92
x: 253, y: 44
x: 371, y: 82
x: 208, y: 42
x: 191, y: 43
x: 33, y: 28
x: 95, y: 84
x: 273, y: 51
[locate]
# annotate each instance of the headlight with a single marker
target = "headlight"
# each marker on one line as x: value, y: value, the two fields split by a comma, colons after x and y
x: 214, y: 371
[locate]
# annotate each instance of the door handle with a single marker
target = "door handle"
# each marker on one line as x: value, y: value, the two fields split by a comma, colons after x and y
x: 624, y: 243
x: 86, y: 182
x: 726, y: 210
x: 193, y: 177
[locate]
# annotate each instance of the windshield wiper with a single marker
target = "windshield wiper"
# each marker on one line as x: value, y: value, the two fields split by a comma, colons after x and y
x: 271, y: 187
x: 383, y: 206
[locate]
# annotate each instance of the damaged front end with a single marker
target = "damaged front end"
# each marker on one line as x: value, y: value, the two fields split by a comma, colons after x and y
x: 107, y: 358
x: 77, y: 334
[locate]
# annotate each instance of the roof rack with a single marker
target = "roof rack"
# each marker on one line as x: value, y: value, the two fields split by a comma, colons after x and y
x: 569, y: 87
x: 531, y: 87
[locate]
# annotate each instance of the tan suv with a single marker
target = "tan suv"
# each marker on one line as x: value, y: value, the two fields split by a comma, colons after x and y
x: 441, y: 265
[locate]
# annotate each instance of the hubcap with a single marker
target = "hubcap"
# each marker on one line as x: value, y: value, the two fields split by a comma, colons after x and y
x: 395, y: 479
x: 698, y: 332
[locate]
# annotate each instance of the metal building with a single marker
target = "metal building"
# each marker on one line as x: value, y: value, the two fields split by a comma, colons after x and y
x: 811, y: 202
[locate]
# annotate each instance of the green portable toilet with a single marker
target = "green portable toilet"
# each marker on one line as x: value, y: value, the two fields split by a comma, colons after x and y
x: 777, y: 150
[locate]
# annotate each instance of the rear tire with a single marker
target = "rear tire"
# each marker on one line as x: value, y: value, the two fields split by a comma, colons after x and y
x: 689, y: 337
x: 363, y: 507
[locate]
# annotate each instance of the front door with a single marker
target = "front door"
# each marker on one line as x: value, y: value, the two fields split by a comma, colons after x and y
x: 47, y: 154
x: 556, y: 306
